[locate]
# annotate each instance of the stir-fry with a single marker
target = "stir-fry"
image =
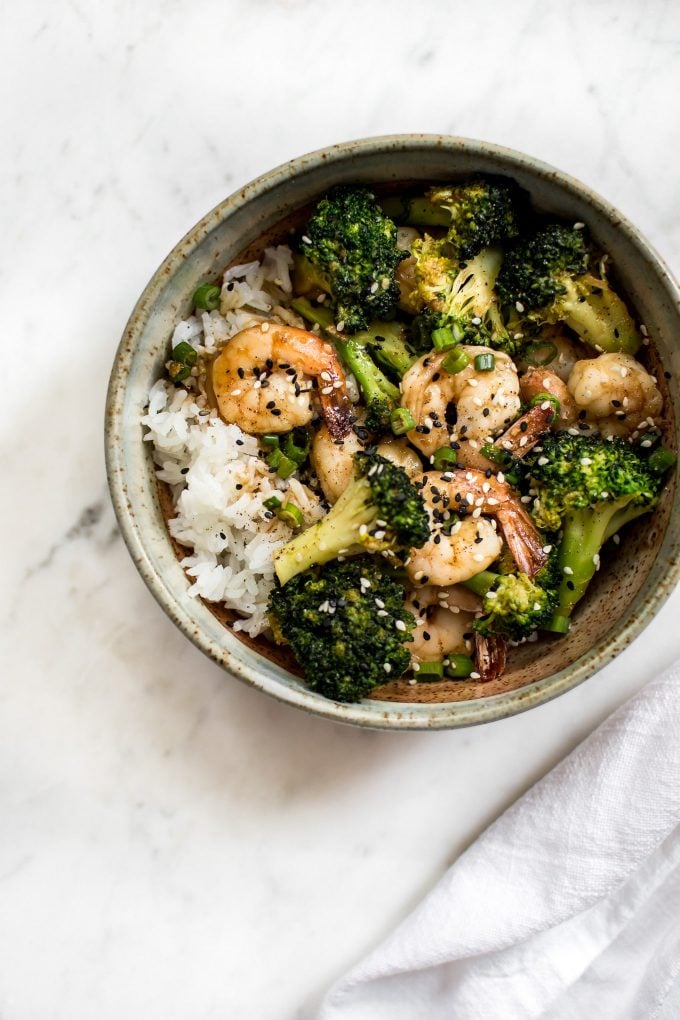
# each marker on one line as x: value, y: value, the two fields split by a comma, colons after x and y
x: 447, y: 420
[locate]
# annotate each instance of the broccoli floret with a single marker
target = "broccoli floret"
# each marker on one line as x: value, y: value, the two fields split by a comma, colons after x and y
x: 482, y: 213
x: 545, y: 277
x: 590, y: 487
x: 354, y: 245
x: 379, y: 511
x: 346, y: 624
x: 460, y: 296
x: 515, y: 605
x: 476, y: 215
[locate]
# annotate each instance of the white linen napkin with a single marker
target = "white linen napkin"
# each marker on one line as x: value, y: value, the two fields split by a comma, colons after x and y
x: 567, y: 907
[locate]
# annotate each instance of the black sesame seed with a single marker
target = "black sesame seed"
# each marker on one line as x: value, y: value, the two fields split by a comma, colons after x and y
x: 523, y: 426
x: 239, y: 442
x: 270, y: 404
x: 426, y: 636
x: 184, y: 471
x: 486, y: 412
x: 276, y: 411
x: 241, y: 373
x: 238, y: 486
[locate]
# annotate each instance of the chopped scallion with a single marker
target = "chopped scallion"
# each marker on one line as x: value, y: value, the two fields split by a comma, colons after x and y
x: 455, y: 362
x: 460, y: 666
x: 402, y: 421
x: 485, y: 362
x: 207, y: 296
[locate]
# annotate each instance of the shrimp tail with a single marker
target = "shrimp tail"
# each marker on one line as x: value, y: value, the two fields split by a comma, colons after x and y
x: 490, y: 656
x: 337, y: 411
x: 524, y: 541
x: 523, y: 434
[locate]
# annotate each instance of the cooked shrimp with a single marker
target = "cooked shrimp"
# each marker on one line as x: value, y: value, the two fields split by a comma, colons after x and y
x: 540, y: 380
x: 443, y: 618
x: 450, y: 558
x: 615, y: 386
x: 332, y: 459
x: 262, y: 380
x: 472, y: 545
x: 485, y: 403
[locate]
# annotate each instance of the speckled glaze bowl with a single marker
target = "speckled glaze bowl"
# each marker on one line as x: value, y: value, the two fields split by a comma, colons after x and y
x: 623, y: 598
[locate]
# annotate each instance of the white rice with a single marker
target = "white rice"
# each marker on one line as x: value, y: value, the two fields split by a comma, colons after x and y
x: 218, y: 482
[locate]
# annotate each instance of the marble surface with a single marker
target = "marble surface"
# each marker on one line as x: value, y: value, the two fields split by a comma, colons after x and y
x: 173, y: 844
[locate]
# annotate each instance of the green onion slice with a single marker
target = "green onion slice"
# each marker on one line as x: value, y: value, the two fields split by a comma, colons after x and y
x: 541, y: 398
x: 296, y: 445
x: 430, y: 671
x: 177, y: 371
x: 444, y: 457
x: 272, y: 503
x: 540, y: 354
x: 402, y: 421
x: 455, y: 362
x: 485, y: 362
x: 185, y: 354
x: 207, y: 296
x: 460, y: 666
x: 291, y: 515
x: 443, y: 339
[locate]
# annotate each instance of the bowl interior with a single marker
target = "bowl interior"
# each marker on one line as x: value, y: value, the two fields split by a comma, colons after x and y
x: 625, y: 593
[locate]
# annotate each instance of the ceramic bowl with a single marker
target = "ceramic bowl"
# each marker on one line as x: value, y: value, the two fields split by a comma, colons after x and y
x: 623, y: 598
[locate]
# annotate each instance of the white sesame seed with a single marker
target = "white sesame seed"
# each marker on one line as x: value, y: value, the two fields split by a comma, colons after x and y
x: 400, y: 625
x: 586, y: 461
x: 519, y: 306
x: 326, y: 376
x: 413, y: 680
x: 469, y: 498
x: 374, y: 286
x: 475, y: 676
x: 477, y: 512
x: 477, y: 557
x: 537, y: 606
x: 473, y: 382
x: 265, y: 327
x: 387, y: 667
x: 492, y: 501
x: 572, y: 432
x: 568, y: 570
x: 476, y: 321
x: 382, y: 612
x: 545, y: 405
x: 525, y: 499
x: 385, y: 282
x: 486, y: 487
x: 477, y: 401
x: 236, y: 393
x: 501, y: 477
x: 325, y: 390
x: 547, y: 548
x: 616, y: 539
x: 643, y: 329
x: 523, y: 441
x: 340, y: 326
x: 542, y: 461
x: 306, y: 240
x: 579, y: 226
x: 646, y: 443
x: 596, y: 561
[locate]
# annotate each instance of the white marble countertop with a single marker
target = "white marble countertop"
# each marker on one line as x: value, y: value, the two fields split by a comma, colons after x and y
x: 172, y: 843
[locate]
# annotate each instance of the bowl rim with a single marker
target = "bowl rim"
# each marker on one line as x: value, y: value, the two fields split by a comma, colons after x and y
x: 369, y: 714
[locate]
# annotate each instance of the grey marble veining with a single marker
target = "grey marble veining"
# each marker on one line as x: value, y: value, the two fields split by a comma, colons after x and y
x: 173, y: 844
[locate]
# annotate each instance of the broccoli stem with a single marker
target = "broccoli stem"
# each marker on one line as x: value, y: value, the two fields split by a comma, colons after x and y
x: 482, y: 582
x: 386, y: 343
x: 336, y: 532
x: 598, y: 315
x: 585, y: 532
